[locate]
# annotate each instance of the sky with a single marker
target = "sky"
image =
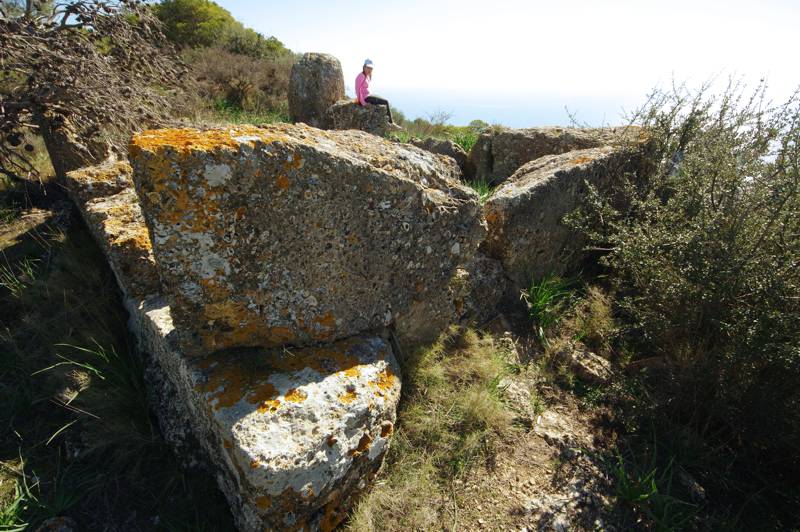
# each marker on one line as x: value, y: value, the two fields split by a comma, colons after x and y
x: 522, y: 62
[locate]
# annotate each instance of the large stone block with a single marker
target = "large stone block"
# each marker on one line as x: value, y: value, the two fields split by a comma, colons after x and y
x: 316, y: 83
x: 291, y: 435
x: 293, y: 235
x: 499, y: 152
x: 525, y: 215
x: 347, y: 114
x: 449, y: 148
x: 111, y: 209
x: 294, y: 436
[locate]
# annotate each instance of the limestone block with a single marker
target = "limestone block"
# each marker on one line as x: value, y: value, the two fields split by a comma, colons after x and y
x: 316, y: 83
x: 499, y: 151
x: 525, y: 215
x: 346, y: 114
x: 293, y: 235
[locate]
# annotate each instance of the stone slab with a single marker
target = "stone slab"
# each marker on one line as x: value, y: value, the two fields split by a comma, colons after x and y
x: 293, y: 235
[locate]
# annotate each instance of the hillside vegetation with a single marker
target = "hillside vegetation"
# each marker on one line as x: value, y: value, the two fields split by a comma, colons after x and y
x: 695, y: 300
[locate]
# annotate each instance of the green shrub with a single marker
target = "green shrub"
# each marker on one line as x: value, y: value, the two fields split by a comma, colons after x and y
x: 705, y: 257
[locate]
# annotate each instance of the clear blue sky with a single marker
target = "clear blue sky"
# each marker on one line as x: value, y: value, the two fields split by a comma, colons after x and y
x: 481, y: 56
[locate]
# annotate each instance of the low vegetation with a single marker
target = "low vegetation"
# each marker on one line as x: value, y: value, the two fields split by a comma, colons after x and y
x: 79, y: 439
x: 437, y: 126
x: 704, y: 255
x: 450, y: 420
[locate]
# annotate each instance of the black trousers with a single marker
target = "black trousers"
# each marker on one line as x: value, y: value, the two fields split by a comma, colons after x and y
x: 377, y: 100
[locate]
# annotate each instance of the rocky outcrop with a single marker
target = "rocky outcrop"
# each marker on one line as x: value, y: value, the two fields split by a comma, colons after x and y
x: 293, y: 235
x: 292, y: 435
x: 525, y: 215
x: 449, y: 148
x: 111, y: 209
x: 347, y: 114
x: 499, y: 152
x: 315, y: 84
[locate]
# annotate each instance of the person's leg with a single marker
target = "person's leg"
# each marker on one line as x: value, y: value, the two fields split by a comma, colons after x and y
x: 377, y: 100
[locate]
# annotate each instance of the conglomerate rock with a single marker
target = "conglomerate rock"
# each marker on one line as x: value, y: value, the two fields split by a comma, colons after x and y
x: 293, y: 235
x: 316, y: 83
x: 291, y: 435
x: 347, y: 114
x: 499, y: 151
x: 449, y: 148
x: 109, y: 204
x: 525, y: 215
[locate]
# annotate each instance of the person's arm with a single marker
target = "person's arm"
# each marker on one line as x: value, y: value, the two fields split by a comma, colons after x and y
x: 361, y: 81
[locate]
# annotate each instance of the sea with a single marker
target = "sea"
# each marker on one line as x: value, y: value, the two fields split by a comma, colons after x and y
x: 512, y: 110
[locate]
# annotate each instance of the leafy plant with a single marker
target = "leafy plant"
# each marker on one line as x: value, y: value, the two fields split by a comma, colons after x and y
x: 648, y: 489
x: 545, y: 301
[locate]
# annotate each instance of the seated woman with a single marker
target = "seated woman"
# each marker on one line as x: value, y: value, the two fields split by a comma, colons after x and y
x: 362, y: 90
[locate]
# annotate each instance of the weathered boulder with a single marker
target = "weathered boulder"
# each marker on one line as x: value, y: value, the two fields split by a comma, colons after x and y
x: 586, y: 365
x: 477, y: 289
x: 315, y: 84
x: 449, y: 148
x: 291, y: 435
x: 347, y: 114
x: 499, y: 152
x: 473, y: 295
x: 111, y: 209
x: 293, y: 235
x: 526, y: 231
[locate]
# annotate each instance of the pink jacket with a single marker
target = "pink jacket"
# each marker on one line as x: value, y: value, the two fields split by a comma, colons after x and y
x: 362, y: 88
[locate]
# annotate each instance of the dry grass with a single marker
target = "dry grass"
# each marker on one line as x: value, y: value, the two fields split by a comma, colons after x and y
x: 450, y: 422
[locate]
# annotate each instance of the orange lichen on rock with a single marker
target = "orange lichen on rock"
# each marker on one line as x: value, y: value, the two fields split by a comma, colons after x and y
x: 282, y: 182
x: 188, y: 139
x: 348, y: 397
x: 581, y: 160
x: 363, y: 445
x: 387, y: 429
x: 385, y: 381
x: 269, y: 407
x: 229, y: 384
x: 296, y: 396
x: 263, y: 502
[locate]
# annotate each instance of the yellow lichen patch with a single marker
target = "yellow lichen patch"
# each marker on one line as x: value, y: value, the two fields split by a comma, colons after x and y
x: 296, y: 396
x: 282, y: 182
x: 363, y: 445
x: 255, y: 463
x: 213, y: 290
x: 348, y: 397
x: 386, y: 381
x: 296, y: 162
x: 188, y: 139
x: 228, y: 384
x: 263, y: 502
x: 352, y: 372
x: 269, y: 407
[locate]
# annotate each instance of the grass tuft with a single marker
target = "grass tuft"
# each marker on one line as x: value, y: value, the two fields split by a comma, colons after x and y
x: 546, y: 301
x: 483, y: 188
x: 449, y: 422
